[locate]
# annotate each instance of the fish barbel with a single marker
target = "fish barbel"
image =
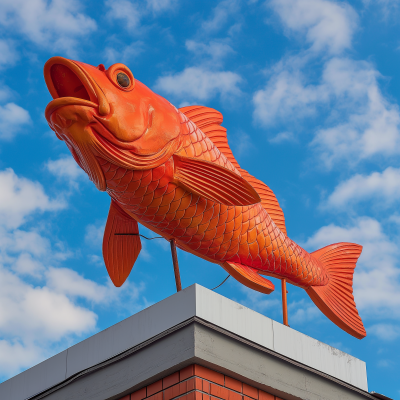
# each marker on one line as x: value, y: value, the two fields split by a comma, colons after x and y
x: 173, y: 171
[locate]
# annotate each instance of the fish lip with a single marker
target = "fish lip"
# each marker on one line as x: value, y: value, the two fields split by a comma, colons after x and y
x: 66, y: 101
x: 97, y: 98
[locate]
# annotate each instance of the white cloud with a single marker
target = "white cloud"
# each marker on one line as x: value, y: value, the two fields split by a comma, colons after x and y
x: 54, y: 23
x: 326, y: 25
x: 94, y: 234
x: 283, y: 137
x: 303, y: 312
x: 117, y: 52
x: 161, y: 5
x: 219, y: 16
x: 286, y: 95
x: 348, y: 92
x: 200, y: 84
x: 388, y: 8
x: 5, y: 92
x: 132, y: 12
x: 8, y: 53
x: 126, y: 11
x: 67, y: 169
x: 355, y: 119
x: 25, y: 264
x: 17, y: 241
x: 216, y: 50
x: 385, y: 331
x: 386, y: 364
x: 385, y: 186
x: 20, y: 197
x: 95, y: 259
x: 206, y: 79
x: 39, y: 311
x: 12, y: 120
x: 371, y: 123
x: 241, y: 143
x: 69, y: 282
x: 377, y: 275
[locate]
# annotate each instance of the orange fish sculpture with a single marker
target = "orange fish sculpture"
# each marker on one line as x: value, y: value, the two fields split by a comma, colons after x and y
x: 173, y: 171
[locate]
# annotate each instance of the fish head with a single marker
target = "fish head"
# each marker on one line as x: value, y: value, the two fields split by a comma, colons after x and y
x: 107, y: 114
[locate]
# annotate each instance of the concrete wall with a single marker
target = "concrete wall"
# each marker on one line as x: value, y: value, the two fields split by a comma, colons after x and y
x: 256, y: 327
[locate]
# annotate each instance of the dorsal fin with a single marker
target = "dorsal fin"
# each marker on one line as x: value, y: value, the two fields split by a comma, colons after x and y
x: 209, y: 121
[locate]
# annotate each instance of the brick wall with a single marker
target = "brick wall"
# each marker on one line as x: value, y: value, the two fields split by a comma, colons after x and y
x: 198, y: 383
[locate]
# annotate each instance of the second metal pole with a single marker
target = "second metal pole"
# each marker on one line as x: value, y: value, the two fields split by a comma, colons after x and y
x: 176, y: 265
x: 284, y: 303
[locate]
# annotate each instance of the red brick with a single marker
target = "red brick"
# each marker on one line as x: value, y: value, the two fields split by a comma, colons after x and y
x: 187, y: 372
x: 176, y: 390
x: 139, y: 394
x: 247, y: 398
x: 183, y: 387
x: 265, y: 396
x: 278, y: 398
x: 190, y: 384
x: 219, y: 391
x: 127, y: 397
x: 209, y: 374
x: 233, y: 384
x: 206, y: 396
x: 198, y: 395
x: 172, y: 392
x: 157, y: 396
x: 250, y: 391
x: 198, y: 383
x: 154, y: 388
x: 194, y: 383
x: 170, y: 380
x: 206, y: 386
x: 234, y: 395
x: 191, y: 396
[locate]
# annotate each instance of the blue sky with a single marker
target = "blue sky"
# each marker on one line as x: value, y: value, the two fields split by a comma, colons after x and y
x: 310, y: 93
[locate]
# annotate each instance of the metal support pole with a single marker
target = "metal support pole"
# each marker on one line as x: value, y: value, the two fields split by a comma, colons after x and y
x: 176, y: 265
x: 284, y: 303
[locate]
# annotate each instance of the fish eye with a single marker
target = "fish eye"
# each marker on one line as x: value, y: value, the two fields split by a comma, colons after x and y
x: 120, y: 76
x: 123, y: 80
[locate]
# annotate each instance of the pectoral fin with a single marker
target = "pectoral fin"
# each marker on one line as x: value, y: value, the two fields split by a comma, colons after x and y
x: 214, y: 182
x: 249, y: 277
x: 209, y: 121
x: 120, y: 247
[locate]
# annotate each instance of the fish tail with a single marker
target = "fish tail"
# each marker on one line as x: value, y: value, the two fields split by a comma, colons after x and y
x: 336, y: 299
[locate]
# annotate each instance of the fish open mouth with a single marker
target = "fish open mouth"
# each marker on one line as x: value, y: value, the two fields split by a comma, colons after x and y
x: 69, y: 84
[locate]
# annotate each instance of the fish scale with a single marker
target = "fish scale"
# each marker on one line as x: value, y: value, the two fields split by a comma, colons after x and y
x: 217, y: 232
x: 173, y: 171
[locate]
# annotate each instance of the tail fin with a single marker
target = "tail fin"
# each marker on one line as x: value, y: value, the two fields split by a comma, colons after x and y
x: 336, y: 299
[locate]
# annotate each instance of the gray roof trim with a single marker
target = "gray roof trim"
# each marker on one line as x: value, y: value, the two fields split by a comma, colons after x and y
x: 209, y: 325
